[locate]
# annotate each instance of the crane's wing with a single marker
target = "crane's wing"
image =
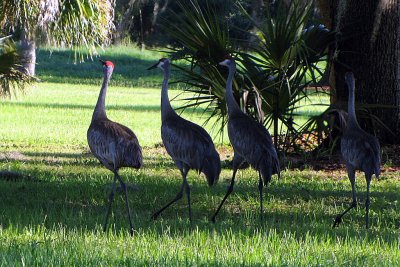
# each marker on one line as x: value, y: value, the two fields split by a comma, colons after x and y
x: 252, y: 140
x: 100, y: 146
x: 246, y: 134
x: 186, y: 142
x: 128, y: 144
x: 114, y: 144
x: 362, y: 151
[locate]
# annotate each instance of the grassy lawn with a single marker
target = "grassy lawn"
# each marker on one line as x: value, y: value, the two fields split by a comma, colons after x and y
x: 54, y: 213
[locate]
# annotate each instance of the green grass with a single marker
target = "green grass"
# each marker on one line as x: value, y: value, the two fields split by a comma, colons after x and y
x: 59, y: 114
x: 60, y: 66
x: 53, y: 216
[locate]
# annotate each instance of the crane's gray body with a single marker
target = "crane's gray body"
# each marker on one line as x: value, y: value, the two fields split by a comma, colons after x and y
x: 253, y: 143
x: 113, y: 144
x: 360, y: 151
x: 188, y: 144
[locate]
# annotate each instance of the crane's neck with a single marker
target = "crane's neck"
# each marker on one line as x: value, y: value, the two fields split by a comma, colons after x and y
x: 100, y: 109
x: 352, y: 119
x: 166, y: 109
x: 230, y: 99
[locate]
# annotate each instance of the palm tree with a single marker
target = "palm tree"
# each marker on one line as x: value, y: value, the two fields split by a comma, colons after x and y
x: 67, y: 23
x: 273, y: 73
x: 10, y: 75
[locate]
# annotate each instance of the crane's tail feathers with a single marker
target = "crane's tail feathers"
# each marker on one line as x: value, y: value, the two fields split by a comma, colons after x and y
x: 268, y: 166
x: 211, y: 169
x: 266, y: 173
x: 378, y: 171
x: 135, y: 158
x: 378, y: 164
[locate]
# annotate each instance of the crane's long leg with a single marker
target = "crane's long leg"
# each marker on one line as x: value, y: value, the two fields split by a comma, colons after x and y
x: 110, y: 201
x: 260, y: 189
x: 368, y: 177
x: 352, y: 177
x: 187, y: 190
x: 230, y: 189
x: 177, y: 197
x: 123, y: 185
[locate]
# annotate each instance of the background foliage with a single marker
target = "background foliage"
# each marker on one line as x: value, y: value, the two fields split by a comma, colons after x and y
x: 11, y: 76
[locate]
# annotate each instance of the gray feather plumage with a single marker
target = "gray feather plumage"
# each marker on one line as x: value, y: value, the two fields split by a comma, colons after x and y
x: 113, y: 144
x: 253, y: 143
x: 250, y: 139
x: 187, y: 143
x: 359, y: 149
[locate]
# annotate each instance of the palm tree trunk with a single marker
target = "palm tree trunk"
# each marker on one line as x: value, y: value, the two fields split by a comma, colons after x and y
x: 28, y: 52
x: 157, y: 11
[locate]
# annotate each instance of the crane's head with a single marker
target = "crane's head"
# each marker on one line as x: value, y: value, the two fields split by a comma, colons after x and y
x: 228, y: 61
x: 107, y: 64
x: 160, y: 64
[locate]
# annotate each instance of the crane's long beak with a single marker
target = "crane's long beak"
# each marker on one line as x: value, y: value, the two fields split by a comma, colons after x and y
x: 154, y: 66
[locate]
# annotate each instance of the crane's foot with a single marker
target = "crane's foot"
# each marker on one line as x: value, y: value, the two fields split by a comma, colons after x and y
x: 155, y: 216
x: 338, y: 220
x: 212, y: 219
x: 131, y: 231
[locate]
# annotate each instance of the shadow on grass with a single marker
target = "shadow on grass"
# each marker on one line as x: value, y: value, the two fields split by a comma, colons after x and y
x: 145, y: 108
x: 84, y: 159
x: 90, y: 107
x: 80, y: 205
x: 59, y: 67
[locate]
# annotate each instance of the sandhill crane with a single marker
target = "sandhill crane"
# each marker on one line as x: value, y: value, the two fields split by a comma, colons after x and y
x: 251, y: 142
x: 189, y: 145
x: 360, y: 151
x: 113, y: 144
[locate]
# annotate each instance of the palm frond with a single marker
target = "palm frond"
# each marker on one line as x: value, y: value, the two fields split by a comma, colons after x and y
x: 64, y: 23
x: 83, y: 23
x: 271, y: 79
x: 286, y: 61
x: 203, y: 37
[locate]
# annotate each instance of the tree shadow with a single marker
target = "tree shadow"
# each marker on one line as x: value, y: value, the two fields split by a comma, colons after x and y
x: 80, y: 159
x: 89, y: 107
x: 59, y: 66
x: 133, y: 107
x: 79, y: 204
